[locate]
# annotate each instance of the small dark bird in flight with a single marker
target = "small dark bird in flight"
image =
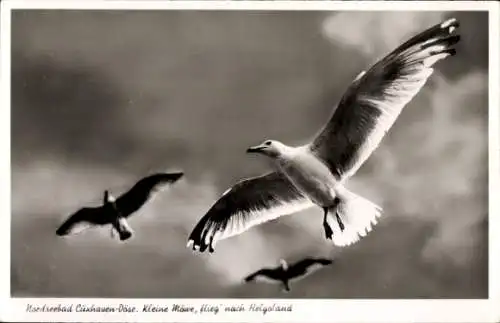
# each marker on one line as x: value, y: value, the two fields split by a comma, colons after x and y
x: 315, y: 174
x: 285, y: 273
x: 116, y: 211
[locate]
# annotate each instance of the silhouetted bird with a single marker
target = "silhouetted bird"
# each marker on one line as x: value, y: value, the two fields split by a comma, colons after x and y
x: 315, y: 174
x: 115, y: 212
x: 285, y: 273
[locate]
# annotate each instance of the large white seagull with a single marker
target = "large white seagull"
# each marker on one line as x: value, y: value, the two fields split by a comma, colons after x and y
x: 314, y: 174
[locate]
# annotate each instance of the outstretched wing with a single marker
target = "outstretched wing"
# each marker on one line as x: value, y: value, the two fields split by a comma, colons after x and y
x: 266, y: 274
x: 140, y: 193
x: 248, y: 203
x: 375, y: 99
x: 81, y: 220
x: 307, y: 266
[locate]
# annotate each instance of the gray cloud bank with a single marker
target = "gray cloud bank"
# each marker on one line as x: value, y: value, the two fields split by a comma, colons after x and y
x: 101, y: 98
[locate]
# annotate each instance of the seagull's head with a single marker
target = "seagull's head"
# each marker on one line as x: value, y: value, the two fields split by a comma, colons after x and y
x: 109, y: 199
x: 284, y: 264
x: 271, y: 148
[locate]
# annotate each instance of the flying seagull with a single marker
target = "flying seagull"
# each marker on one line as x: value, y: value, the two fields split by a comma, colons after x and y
x: 315, y: 174
x: 116, y: 211
x: 285, y: 273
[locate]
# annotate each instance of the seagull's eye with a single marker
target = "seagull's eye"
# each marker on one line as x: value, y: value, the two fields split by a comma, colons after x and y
x: 267, y: 143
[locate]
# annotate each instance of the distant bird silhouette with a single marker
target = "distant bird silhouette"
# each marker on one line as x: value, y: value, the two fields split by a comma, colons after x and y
x: 285, y: 273
x: 115, y: 212
x: 315, y: 174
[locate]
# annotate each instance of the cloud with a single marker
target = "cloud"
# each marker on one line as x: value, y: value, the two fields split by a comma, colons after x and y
x: 445, y: 179
x: 161, y: 229
x: 192, y: 99
x: 372, y: 33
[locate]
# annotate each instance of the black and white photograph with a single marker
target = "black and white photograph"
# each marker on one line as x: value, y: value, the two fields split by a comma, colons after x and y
x: 250, y: 154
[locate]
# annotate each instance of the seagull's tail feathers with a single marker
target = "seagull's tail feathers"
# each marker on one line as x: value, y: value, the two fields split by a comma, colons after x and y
x: 285, y: 289
x: 357, y: 215
x: 124, y: 230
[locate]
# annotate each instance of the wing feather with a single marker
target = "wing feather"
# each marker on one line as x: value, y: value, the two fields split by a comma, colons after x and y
x: 265, y: 274
x: 375, y: 99
x: 81, y: 220
x: 142, y: 191
x: 307, y: 266
x: 248, y: 203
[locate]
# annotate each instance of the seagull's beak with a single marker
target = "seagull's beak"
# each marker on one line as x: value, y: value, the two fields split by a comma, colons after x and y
x: 255, y: 149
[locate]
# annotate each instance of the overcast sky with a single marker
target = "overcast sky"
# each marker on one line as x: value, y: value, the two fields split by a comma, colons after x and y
x: 100, y: 99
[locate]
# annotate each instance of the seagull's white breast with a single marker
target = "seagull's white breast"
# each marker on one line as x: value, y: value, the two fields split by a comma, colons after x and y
x: 310, y: 175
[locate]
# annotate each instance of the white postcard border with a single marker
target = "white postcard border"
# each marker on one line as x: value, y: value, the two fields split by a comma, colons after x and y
x: 321, y: 310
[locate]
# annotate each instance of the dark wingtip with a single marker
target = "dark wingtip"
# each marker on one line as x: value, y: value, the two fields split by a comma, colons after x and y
x: 203, y: 247
x: 200, y: 246
x: 197, y: 238
x: 174, y: 176
x: 451, y: 51
x: 196, y: 245
x: 452, y: 22
x: 325, y: 261
x: 249, y: 278
x: 177, y: 175
x: 448, y: 41
x: 62, y: 230
x: 454, y: 39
